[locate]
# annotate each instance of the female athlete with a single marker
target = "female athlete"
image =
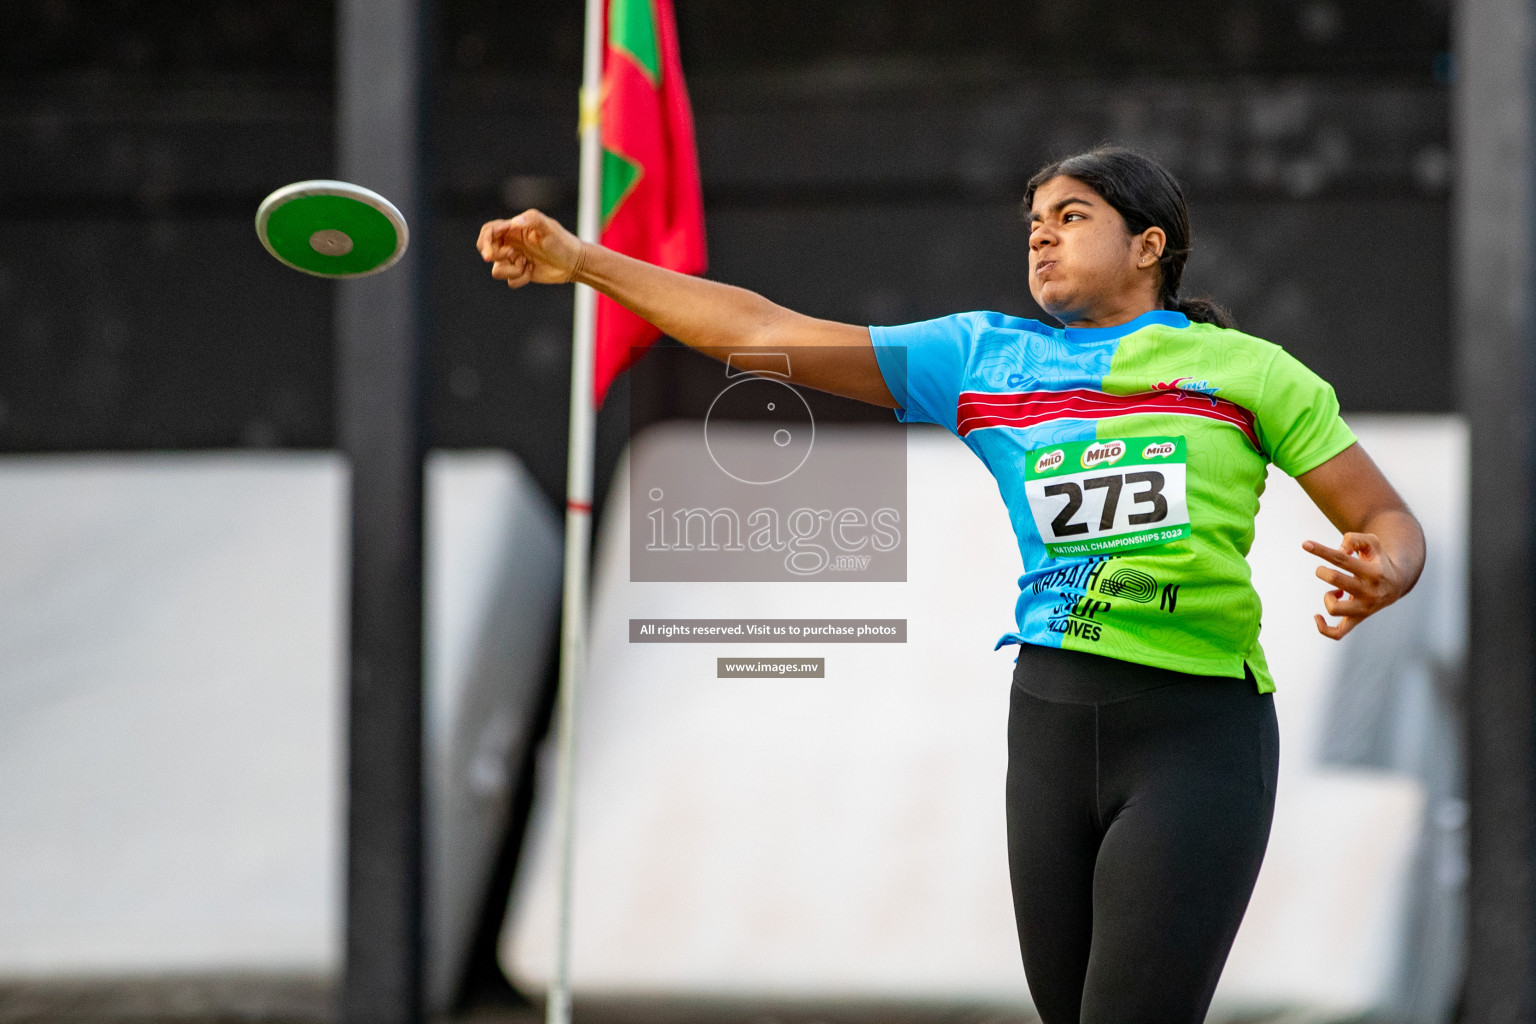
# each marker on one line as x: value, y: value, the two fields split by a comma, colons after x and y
x: 1130, y: 448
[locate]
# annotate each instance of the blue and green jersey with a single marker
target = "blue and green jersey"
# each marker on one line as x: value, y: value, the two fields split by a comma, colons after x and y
x: 1131, y: 459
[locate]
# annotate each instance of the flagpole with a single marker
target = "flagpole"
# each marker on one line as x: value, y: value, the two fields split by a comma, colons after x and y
x: 578, y: 506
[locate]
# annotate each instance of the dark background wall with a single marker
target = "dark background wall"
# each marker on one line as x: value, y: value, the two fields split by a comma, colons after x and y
x: 862, y: 160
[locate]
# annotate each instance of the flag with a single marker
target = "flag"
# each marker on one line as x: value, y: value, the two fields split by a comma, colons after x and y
x: 652, y: 206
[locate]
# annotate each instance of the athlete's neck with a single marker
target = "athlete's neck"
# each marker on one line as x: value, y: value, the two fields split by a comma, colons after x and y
x: 1110, y: 318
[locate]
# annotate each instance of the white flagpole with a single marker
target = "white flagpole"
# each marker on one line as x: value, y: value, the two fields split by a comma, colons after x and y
x: 578, y: 505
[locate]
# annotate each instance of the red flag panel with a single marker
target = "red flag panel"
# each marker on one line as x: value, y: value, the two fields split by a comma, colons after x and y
x: 660, y: 219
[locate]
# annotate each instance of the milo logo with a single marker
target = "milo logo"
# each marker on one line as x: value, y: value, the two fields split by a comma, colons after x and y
x: 1159, y: 451
x: 1049, y: 461
x: 1104, y: 453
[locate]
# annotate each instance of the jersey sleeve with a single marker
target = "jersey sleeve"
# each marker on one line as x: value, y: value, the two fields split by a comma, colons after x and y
x: 1298, y: 417
x: 923, y: 363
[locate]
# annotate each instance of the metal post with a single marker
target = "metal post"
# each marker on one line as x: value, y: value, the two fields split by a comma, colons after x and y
x: 578, y: 512
x: 1494, y: 226
x: 381, y: 328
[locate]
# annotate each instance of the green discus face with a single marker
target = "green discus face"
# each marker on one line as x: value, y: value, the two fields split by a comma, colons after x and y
x: 331, y: 229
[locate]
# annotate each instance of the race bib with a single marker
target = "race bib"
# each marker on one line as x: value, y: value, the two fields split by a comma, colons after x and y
x: 1106, y: 497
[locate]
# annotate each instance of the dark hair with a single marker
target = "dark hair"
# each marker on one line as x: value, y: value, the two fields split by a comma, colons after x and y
x: 1146, y: 195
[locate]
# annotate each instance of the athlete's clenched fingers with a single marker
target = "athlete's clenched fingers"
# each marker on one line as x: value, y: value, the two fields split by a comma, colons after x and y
x: 516, y: 272
x: 492, y: 237
x: 510, y: 269
x: 483, y: 240
x: 501, y: 239
x: 508, y: 245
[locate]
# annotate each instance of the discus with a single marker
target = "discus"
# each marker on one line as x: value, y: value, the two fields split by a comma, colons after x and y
x: 331, y: 229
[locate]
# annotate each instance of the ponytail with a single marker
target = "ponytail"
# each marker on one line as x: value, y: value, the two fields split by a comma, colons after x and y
x: 1202, y: 310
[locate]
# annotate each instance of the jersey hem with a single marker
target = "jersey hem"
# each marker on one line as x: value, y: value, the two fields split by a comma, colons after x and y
x: 1175, y: 663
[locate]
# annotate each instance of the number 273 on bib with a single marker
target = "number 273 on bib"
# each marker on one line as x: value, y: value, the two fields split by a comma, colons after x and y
x: 1108, y: 497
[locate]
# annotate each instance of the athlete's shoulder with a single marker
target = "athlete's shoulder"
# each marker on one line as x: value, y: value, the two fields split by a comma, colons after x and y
x: 1244, y: 359
x: 986, y: 318
x: 1228, y: 336
x: 1274, y: 357
x: 1252, y: 371
x: 961, y: 330
x: 961, y: 325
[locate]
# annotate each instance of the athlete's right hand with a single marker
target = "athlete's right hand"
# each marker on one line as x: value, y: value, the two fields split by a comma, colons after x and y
x: 530, y: 247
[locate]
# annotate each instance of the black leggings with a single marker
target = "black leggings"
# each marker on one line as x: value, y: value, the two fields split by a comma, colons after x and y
x: 1139, y: 805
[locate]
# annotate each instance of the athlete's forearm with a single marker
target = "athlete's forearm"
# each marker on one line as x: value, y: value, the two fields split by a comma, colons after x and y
x: 693, y: 310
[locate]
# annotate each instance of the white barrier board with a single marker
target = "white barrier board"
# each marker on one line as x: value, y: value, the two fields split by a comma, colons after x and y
x: 171, y: 751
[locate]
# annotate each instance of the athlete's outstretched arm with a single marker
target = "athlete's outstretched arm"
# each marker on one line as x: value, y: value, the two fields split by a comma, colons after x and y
x: 715, y: 317
x: 1382, y: 552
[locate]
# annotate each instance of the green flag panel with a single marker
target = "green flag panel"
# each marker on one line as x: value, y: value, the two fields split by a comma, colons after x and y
x: 632, y: 28
x: 620, y: 175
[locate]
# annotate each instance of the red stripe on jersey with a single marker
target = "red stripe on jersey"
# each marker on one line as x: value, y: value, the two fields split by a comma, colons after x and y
x: 978, y: 410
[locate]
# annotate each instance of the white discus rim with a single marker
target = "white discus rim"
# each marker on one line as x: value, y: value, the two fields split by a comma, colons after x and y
x: 347, y: 190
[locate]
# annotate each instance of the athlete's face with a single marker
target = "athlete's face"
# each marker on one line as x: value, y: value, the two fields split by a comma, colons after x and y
x: 1085, y: 266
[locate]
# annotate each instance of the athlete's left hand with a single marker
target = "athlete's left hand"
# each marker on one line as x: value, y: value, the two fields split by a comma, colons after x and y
x: 1370, y: 581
